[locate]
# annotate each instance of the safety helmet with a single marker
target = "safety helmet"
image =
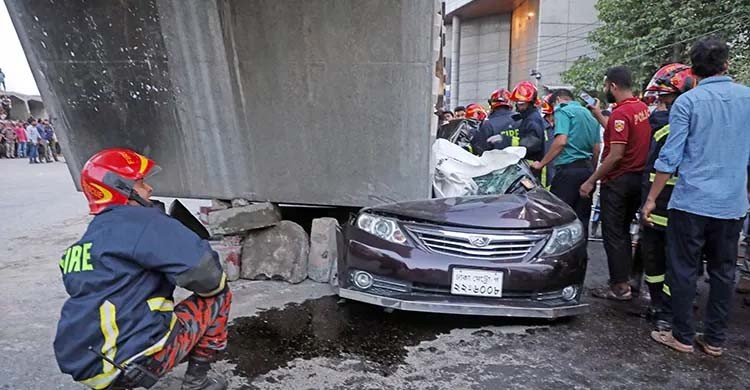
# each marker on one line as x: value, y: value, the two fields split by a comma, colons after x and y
x: 671, y: 79
x: 500, y: 97
x: 108, y: 177
x: 475, y: 111
x: 524, y: 92
x: 547, y: 108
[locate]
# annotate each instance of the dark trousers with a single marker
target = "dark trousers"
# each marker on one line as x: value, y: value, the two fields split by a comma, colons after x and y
x: 688, y: 237
x: 620, y: 200
x: 565, y: 185
x: 652, y: 245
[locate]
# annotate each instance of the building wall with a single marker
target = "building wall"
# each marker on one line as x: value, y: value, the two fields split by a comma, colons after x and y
x: 524, y: 41
x: 565, y: 24
x: 485, y: 44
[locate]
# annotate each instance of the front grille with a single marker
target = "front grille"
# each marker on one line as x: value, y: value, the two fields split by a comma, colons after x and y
x: 510, y: 246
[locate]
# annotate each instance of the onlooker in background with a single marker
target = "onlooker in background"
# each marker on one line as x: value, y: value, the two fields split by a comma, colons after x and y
x: 575, y: 151
x: 627, y: 137
x: 10, y: 141
x: 20, y: 140
x: 459, y: 112
x: 710, y: 143
x: 2, y: 79
x: 498, y: 130
x: 49, y: 141
x: 6, y: 105
x: 32, y: 139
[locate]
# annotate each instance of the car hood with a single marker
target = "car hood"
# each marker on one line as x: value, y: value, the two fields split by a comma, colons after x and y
x: 534, y: 210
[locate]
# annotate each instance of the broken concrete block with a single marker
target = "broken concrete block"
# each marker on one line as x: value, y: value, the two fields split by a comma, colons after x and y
x: 239, y: 202
x: 323, y: 250
x: 279, y: 252
x: 230, y: 252
x: 219, y: 204
x: 242, y: 219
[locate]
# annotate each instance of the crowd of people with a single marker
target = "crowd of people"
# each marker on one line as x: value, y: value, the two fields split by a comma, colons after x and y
x: 33, y: 139
x: 676, y: 159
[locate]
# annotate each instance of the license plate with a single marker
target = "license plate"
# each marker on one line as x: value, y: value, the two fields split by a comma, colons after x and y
x: 477, y: 282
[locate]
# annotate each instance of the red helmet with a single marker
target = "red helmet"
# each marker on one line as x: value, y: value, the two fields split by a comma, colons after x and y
x: 108, y: 177
x: 475, y: 111
x: 500, y: 97
x: 547, y: 108
x: 524, y: 92
x: 671, y: 79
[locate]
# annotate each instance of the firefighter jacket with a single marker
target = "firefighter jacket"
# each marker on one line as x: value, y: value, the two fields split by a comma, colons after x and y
x: 499, y: 122
x: 531, y: 133
x: 120, y: 277
x: 659, y: 121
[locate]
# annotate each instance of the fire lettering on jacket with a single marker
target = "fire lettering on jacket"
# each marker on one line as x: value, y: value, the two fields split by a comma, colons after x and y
x: 77, y: 259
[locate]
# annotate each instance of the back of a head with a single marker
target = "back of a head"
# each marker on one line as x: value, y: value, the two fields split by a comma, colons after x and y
x: 621, y: 76
x: 564, y: 94
x: 709, y: 57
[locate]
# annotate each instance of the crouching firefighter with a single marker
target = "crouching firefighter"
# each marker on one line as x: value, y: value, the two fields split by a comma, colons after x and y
x: 668, y: 83
x: 120, y: 327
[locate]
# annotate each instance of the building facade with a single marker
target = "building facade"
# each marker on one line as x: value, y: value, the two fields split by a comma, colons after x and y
x: 493, y: 44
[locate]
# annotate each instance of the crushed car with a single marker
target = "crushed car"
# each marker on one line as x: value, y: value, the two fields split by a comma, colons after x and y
x: 508, y: 248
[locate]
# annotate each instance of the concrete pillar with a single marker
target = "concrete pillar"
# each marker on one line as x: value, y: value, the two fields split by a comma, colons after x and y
x: 455, y: 58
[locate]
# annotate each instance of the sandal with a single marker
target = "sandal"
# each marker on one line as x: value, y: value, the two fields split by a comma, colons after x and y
x: 667, y: 339
x: 707, y: 348
x: 607, y: 293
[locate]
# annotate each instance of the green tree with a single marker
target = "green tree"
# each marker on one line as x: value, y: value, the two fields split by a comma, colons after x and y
x: 644, y: 35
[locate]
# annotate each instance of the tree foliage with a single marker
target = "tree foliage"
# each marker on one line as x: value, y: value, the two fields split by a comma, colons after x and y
x: 645, y: 34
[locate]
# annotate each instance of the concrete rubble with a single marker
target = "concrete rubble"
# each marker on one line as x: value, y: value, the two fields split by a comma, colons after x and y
x: 238, y: 220
x: 279, y: 252
x: 323, y: 249
x: 230, y: 251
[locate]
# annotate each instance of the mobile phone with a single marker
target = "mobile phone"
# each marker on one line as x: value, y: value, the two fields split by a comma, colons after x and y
x: 587, y: 98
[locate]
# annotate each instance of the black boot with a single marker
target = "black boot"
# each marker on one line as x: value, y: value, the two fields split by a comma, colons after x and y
x: 198, y: 377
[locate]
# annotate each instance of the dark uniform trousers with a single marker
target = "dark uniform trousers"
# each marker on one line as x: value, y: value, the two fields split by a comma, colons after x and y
x: 565, y: 185
x: 620, y: 200
x: 688, y: 237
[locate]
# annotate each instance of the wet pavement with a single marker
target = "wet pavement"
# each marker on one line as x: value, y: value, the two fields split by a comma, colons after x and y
x: 331, y: 343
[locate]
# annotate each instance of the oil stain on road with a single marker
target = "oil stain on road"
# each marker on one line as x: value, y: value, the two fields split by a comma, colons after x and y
x: 325, y: 327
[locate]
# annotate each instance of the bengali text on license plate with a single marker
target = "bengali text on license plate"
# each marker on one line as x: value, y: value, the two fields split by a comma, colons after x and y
x: 477, y: 282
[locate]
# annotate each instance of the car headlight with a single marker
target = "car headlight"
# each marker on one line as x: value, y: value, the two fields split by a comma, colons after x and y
x: 381, y: 227
x: 564, y: 238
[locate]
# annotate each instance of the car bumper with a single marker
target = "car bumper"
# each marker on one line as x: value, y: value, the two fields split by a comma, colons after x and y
x: 508, y: 308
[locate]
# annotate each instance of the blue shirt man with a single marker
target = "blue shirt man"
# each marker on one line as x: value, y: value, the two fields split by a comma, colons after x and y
x: 709, y: 141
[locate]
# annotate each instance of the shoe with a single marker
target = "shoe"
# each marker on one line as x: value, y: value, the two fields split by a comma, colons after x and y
x: 207, y: 382
x: 707, y: 348
x: 666, y: 338
x: 607, y: 293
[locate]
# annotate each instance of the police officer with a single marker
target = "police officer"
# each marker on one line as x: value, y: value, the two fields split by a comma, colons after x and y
x: 531, y: 128
x: 500, y: 130
x: 667, y: 84
x: 121, y: 277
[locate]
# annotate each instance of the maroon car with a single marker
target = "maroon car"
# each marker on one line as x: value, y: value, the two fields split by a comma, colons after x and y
x: 519, y: 254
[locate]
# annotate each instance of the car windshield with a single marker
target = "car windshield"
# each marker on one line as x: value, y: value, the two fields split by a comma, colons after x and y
x: 514, y: 179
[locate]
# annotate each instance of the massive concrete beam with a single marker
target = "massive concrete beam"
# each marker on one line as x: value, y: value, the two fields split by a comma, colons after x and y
x: 317, y: 101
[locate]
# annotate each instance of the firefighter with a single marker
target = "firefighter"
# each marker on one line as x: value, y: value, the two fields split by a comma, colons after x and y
x: 531, y: 129
x: 476, y: 112
x: 121, y: 277
x: 548, y: 110
x: 666, y: 85
x: 500, y: 130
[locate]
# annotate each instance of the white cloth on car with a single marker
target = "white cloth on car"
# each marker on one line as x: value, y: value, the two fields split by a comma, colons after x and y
x: 455, y: 167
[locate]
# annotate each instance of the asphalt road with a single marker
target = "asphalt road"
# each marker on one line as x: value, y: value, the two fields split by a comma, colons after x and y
x: 303, y: 337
